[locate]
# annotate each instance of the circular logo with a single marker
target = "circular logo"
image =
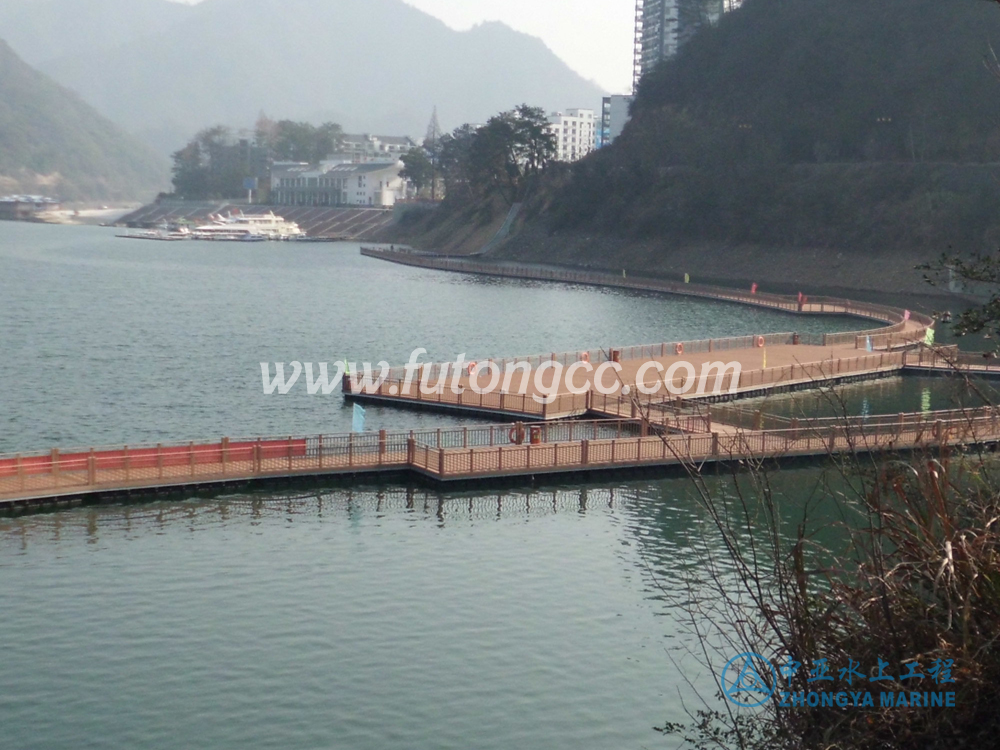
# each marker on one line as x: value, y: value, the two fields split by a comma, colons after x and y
x: 744, y: 680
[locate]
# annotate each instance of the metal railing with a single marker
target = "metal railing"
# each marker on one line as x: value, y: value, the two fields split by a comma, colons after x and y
x: 483, y: 451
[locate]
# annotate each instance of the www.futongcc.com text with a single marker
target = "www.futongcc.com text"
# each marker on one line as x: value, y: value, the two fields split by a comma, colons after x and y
x: 543, y: 381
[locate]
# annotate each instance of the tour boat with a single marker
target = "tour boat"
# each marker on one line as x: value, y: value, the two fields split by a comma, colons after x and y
x: 248, y: 227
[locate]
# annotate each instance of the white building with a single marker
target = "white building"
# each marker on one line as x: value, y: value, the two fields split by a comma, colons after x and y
x: 335, y: 183
x: 575, y: 130
x: 364, y: 147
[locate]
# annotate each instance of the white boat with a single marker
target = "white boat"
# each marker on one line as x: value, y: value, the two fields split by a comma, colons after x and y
x: 248, y: 227
x: 159, y: 234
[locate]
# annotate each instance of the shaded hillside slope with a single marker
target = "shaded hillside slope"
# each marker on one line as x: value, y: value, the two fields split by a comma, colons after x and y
x: 810, y: 122
x: 834, y: 142
x: 51, y: 142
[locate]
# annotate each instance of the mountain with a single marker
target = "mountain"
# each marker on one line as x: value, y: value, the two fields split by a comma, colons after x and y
x: 822, y: 123
x: 372, y: 65
x: 42, y: 30
x: 819, y: 143
x: 51, y: 142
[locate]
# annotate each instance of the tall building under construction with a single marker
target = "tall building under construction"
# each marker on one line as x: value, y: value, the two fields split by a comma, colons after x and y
x: 663, y: 26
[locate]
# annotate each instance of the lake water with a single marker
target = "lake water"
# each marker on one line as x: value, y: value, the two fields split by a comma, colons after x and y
x: 113, y: 341
x: 351, y: 618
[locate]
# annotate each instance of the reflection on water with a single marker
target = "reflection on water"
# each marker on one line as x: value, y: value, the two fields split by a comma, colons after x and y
x: 366, y: 618
x: 906, y: 393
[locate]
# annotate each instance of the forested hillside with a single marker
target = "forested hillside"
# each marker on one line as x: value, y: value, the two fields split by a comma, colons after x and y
x: 833, y: 123
x: 53, y: 143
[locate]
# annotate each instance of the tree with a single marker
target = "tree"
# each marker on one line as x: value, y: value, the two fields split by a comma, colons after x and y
x: 204, y: 168
x: 215, y: 163
x: 190, y: 178
x: 505, y: 157
x: 510, y: 153
x: 302, y: 141
x: 417, y: 168
x: 453, y: 163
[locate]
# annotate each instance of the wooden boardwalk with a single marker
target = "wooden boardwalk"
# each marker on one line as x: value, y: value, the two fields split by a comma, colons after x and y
x: 659, y: 439
x: 767, y: 361
x: 632, y: 429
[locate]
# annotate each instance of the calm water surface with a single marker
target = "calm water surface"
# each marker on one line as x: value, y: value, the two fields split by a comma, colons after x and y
x: 360, y: 618
x: 112, y: 341
x: 351, y: 619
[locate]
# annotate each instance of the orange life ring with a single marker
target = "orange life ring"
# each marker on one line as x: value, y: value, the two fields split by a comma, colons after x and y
x: 584, y: 356
x: 471, y: 368
x: 516, y: 434
x: 678, y: 348
x: 760, y: 342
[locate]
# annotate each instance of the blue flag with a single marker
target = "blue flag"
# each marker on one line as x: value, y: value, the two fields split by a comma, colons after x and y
x: 358, y: 424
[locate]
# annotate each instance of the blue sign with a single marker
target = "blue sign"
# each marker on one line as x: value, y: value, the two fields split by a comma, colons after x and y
x: 250, y: 183
x: 748, y: 680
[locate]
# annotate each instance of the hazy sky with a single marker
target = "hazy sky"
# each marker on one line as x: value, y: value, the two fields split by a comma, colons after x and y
x: 593, y: 36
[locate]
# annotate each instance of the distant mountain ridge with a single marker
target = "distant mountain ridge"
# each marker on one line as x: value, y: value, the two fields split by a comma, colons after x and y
x: 52, y: 142
x: 372, y: 65
x: 44, y: 30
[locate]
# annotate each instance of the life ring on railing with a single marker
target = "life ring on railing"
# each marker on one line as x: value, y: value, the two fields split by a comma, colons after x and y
x: 516, y: 434
x: 760, y: 342
x: 678, y: 348
x: 584, y: 356
x: 471, y: 369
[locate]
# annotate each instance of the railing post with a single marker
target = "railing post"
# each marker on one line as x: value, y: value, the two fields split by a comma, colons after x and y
x: 257, y: 458
x: 715, y: 444
x: 350, y: 449
x: 585, y: 452
x: 411, y: 449
x: 440, y: 462
x: 319, y: 449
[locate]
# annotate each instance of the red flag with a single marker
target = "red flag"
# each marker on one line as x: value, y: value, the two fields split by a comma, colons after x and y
x: 753, y: 288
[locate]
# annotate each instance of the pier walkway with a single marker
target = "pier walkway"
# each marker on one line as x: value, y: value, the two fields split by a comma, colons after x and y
x: 477, y: 453
x: 633, y: 429
x: 767, y: 361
